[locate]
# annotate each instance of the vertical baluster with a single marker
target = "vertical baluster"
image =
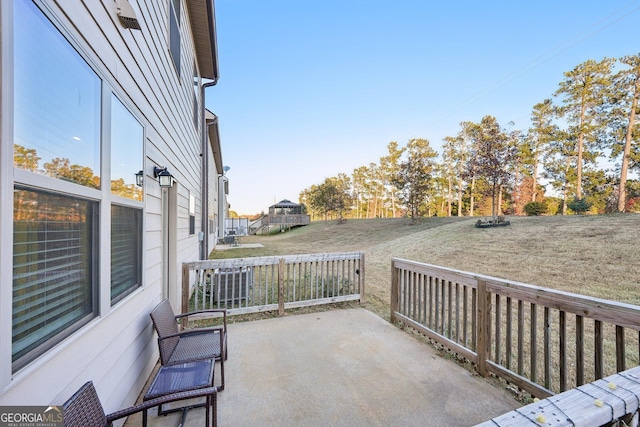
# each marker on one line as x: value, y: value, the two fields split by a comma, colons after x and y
x: 431, y: 302
x: 215, y: 286
x: 598, y: 348
x: 563, y: 351
x: 405, y: 292
x: 534, y: 342
x: 457, y: 316
x: 620, y: 349
x: 436, y: 303
x: 474, y: 319
x: 416, y: 295
x: 498, y: 327
x: 509, y: 332
x: 449, y: 309
x: 465, y: 315
x: 520, y: 337
x: 547, y: 349
x: 442, y: 305
x: 579, y: 350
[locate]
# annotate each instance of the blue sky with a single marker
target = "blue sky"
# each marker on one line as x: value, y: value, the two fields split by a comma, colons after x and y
x: 310, y: 89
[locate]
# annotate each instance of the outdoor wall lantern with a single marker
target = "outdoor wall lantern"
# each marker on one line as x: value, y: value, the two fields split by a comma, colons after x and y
x: 164, y: 177
x: 140, y: 178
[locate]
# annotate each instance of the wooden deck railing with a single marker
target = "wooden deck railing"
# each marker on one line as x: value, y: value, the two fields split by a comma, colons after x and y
x: 611, y: 401
x: 541, y: 340
x: 250, y: 285
x: 287, y: 219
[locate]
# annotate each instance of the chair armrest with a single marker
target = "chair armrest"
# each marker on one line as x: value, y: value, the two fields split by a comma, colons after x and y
x: 211, y: 310
x: 209, y: 391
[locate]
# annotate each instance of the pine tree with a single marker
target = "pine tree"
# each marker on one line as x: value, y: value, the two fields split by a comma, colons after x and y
x: 624, y: 98
x: 414, y: 177
x: 582, y: 93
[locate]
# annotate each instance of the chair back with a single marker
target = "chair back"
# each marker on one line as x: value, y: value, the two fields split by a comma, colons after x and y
x: 84, y: 409
x: 164, y: 322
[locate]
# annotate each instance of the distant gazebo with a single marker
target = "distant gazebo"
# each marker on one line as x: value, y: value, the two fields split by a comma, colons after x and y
x: 287, y: 214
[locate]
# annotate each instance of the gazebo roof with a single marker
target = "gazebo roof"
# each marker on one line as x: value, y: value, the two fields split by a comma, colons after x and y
x: 284, y: 204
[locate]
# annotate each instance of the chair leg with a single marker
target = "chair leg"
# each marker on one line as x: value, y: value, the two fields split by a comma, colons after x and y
x: 214, y: 407
x: 207, y: 416
x: 222, y: 373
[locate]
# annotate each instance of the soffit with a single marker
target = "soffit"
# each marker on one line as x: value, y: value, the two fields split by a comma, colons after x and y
x: 214, y: 139
x: 203, y: 26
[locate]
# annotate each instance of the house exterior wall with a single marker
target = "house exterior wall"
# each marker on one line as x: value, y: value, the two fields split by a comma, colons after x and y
x: 117, y: 348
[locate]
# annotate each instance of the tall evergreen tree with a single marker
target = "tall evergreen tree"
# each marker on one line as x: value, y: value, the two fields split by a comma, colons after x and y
x: 414, y: 177
x: 389, y: 167
x: 582, y: 93
x: 360, y: 190
x: 495, y: 153
x: 624, y: 96
x: 539, y: 137
x: 472, y: 134
x: 448, y: 168
x: 560, y: 165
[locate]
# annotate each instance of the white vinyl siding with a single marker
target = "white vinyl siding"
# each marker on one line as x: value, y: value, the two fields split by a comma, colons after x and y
x: 117, y: 349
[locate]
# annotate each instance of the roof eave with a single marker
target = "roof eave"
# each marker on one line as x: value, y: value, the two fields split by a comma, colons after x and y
x: 202, y: 17
x: 214, y: 139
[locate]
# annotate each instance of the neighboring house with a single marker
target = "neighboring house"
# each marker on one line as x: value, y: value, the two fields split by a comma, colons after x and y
x: 90, y: 104
x: 288, y: 214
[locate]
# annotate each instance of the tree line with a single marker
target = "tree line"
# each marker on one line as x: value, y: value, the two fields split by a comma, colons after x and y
x: 556, y: 166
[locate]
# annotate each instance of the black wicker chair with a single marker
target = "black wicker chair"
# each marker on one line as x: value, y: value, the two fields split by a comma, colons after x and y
x: 84, y: 409
x: 189, y: 345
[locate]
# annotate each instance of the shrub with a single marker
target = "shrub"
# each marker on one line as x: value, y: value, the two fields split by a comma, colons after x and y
x: 579, y: 206
x: 535, y: 208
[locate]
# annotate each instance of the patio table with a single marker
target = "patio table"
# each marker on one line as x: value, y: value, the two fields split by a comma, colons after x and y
x: 183, y: 377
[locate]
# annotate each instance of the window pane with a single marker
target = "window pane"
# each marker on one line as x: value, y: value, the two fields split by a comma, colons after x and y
x: 126, y: 254
x: 174, y: 36
x: 126, y: 151
x: 196, y: 96
x: 56, y: 103
x: 54, y: 272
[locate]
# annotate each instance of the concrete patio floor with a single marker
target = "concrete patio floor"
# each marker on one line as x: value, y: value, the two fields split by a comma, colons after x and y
x: 343, y: 367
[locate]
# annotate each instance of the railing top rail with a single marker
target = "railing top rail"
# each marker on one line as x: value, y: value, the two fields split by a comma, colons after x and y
x: 618, y: 313
x: 271, y: 260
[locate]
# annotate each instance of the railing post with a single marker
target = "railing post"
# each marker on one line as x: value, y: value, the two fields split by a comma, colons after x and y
x: 281, y: 287
x: 361, y: 279
x: 185, y: 292
x: 484, y: 327
x: 394, y: 291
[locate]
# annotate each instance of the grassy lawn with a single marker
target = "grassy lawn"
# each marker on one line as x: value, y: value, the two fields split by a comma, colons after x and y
x: 590, y: 255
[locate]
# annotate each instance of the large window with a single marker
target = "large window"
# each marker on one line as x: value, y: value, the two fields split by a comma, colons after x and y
x: 57, y: 103
x: 57, y: 120
x: 127, y: 138
x: 58, y: 123
x: 54, y: 271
